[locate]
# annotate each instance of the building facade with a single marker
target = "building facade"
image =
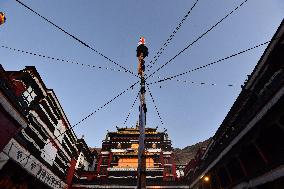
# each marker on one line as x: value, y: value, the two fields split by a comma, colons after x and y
x: 247, y: 149
x: 40, y: 147
x: 118, y: 160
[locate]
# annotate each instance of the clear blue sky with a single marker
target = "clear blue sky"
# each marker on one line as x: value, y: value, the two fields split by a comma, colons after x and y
x: 190, y: 113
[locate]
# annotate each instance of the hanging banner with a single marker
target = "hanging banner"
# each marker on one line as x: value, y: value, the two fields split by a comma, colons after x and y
x: 20, y: 155
x: 60, y: 131
x: 49, y: 151
x: 8, y: 128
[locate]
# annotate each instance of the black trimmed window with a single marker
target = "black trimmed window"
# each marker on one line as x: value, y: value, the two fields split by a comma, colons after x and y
x: 29, y: 95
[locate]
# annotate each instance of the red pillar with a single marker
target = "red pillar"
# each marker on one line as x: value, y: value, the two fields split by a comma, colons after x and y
x: 243, y: 167
x: 261, y: 153
x: 70, y: 173
x: 219, y: 181
x: 162, y: 161
x: 8, y: 129
x: 99, y: 164
x: 174, y: 166
x: 229, y: 174
x: 109, y: 162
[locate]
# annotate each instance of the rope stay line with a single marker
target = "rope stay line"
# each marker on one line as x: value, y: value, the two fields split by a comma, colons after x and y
x: 205, y: 33
x: 98, y: 109
x: 200, y: 67
x: 189, y: 71
x: 156, y: 57
x: 193, y: 82
x: 75, y: 38
x: 131, y: 108
x: 212, y: 63
x: 161, y: 50
x: 197, y: 39
x: 156, y: 108
x: 60, y: 59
